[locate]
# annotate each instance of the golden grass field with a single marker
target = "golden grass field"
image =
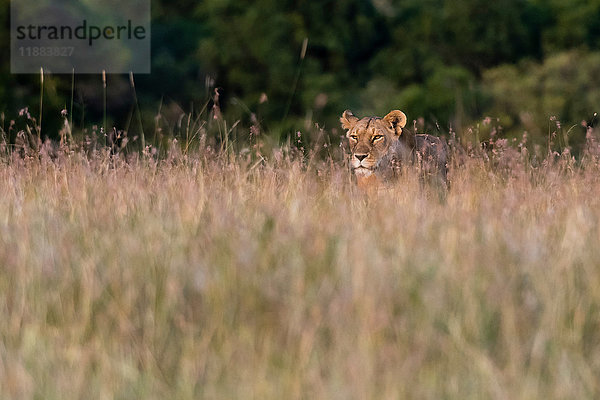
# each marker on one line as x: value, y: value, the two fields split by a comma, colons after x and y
x: 210, y: 276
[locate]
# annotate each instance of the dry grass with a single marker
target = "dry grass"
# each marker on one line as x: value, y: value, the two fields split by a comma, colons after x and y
x: 207, y: 277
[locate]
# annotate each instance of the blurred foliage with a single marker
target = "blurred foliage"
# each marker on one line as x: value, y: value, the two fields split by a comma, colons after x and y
x: 537, y: 97
x: 446, y: 63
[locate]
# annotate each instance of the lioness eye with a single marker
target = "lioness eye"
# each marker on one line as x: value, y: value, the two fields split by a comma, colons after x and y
x: 353, y: 137
x: 377, y: 137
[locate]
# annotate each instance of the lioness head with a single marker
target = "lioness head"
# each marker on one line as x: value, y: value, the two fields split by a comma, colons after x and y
x: 371, y: 138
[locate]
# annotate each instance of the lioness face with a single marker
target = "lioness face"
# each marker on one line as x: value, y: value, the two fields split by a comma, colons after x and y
x: 370, y: 138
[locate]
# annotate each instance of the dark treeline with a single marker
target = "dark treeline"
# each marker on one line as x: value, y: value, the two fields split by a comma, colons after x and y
x: 286, y: 65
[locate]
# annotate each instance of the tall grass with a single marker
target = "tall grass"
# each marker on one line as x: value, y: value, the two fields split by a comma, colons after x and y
x: 212, y: 276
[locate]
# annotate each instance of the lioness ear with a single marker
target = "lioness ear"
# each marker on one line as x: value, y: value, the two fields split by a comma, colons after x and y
x: 348, y: 120
x: 398, y: 120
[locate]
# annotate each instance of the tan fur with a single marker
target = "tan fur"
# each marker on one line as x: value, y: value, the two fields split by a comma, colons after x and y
x: 367, y: 181
x: 380, y: 145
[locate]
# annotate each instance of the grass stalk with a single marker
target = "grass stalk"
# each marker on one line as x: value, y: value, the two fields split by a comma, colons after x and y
x: 296, y: 79
x: 138, y: 112
x: 104, y: 101
x: 72, y: 98
x: 39, y: 128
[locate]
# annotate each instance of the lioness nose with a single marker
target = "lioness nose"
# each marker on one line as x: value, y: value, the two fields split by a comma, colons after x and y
x: 360, y: 156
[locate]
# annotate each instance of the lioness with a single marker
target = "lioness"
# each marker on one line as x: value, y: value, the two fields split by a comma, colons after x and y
x: 380, y: 146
